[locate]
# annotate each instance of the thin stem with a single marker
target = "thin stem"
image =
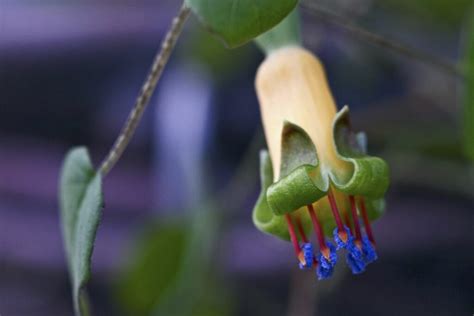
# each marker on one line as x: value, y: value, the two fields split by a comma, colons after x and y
x: 382, y: 41
x: 146, y: 92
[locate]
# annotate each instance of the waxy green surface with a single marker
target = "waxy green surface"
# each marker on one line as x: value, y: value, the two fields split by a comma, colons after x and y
x: 303, y: 182
x: 81, y: 203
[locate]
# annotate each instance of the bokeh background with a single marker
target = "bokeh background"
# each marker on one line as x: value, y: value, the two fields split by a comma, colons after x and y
x: 176, y: 236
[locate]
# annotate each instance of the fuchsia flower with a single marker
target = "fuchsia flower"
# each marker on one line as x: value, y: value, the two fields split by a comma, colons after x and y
x: 316, y: 175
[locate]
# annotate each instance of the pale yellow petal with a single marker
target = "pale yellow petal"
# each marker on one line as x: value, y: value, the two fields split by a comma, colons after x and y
x: 292, y: 86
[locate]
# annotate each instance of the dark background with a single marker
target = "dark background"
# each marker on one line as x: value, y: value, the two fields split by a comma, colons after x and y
x: 176, y: 236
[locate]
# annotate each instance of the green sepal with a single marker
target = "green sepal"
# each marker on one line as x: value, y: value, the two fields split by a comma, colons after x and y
x: 301, y: 182
x: 263, y: 216
x: 296, y: 190
x: 369, y: 176
x: 239, y: 21
x: 375, y: 208
x: 297, y: 149
x: 267, y: 221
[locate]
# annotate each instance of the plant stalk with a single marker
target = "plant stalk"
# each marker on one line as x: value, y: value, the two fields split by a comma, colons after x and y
x: 382, y: 41
x: 146, y: 91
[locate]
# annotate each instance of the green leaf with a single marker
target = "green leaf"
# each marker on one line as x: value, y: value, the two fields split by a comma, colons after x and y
x: 81, y: 204
x: 239, y: 21
x: 286, y: 33
x: 171, y: 270
x: 153, y: 268
x: 432, y: 12
x: 468, y: 112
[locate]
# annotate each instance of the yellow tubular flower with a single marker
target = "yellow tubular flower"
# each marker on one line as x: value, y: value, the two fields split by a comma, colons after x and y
x: 320, y: 177
x: 292, y: 86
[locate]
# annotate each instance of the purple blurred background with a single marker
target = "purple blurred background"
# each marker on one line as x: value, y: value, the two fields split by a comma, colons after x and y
x: 70, y: 71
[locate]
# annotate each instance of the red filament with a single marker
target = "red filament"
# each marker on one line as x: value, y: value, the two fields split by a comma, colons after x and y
x: 318, y: 230
x: 291, y: 230
x: 368, y: 229
x: 347, y: 220
x: 335, y: 211
x: 355, y: 219
x: 340, y: 227
x: 301, y: 229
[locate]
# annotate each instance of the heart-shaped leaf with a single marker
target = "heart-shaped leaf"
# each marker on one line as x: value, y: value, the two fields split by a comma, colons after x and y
x: 81, y: 204
x: 239, y: 21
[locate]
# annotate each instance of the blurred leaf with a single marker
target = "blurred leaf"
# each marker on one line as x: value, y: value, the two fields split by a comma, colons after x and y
x: 153, y: 269
x: 438, y: 11
x: 415, y: 169
x: 468, y: 114
x: 81, y: 205
x: 237, y: 22
x: 206, y: 298
x: 286, y: 33
x: 171, y: 270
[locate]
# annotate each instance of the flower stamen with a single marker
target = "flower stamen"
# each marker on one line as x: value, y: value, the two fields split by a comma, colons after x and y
x: 337, y: 217
x: 291, y: 231
x: 301, y: 254
x: 358, y: 234
x: 347, y: 220
x: 319, y: 232
x: 368, y: 229
x: 301, y: 229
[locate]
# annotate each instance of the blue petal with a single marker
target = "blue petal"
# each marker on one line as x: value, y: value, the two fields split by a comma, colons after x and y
x: 307, y: 249
x: 357, y: 265
x: 368, y: 250
x: 339, y: 242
